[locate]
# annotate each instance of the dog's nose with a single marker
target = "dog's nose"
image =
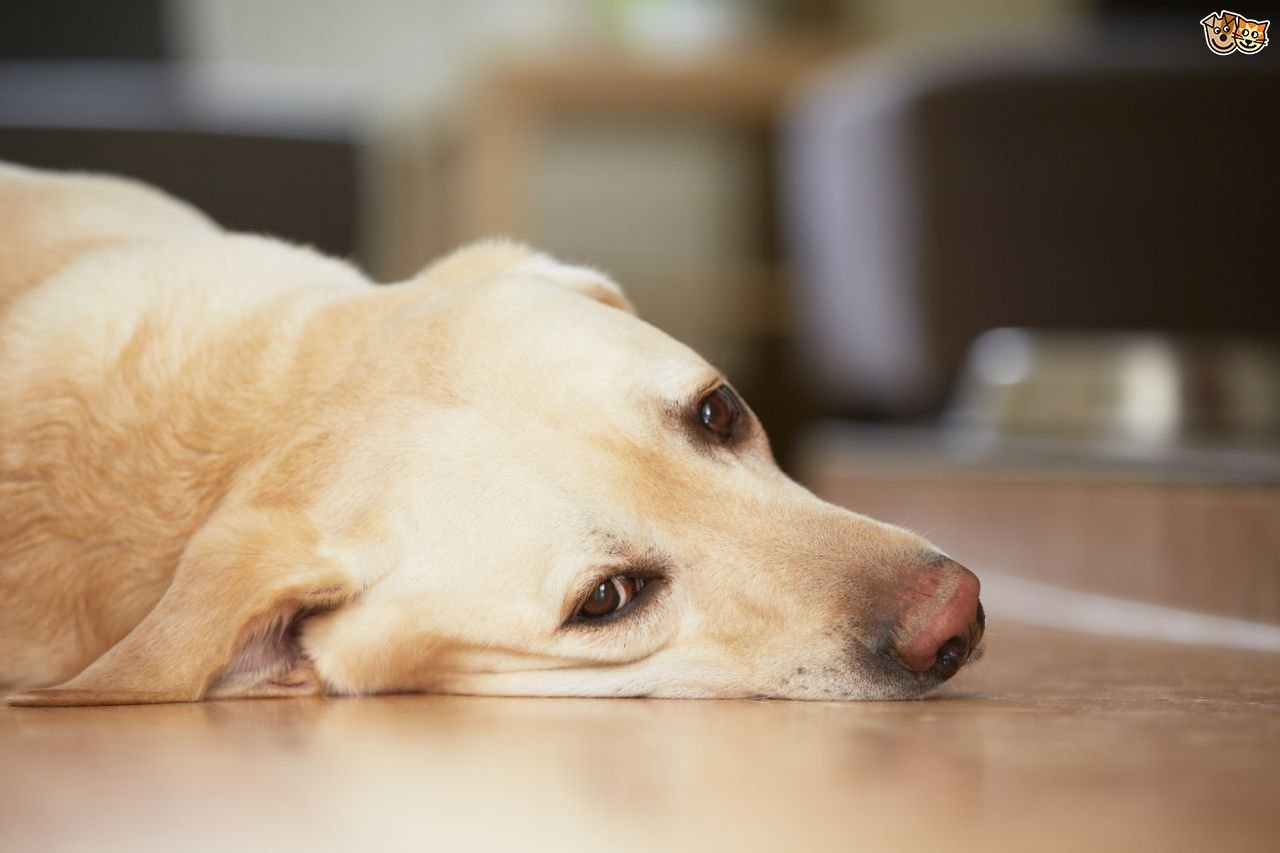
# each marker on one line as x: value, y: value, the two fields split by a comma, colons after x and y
x: 940, y: 620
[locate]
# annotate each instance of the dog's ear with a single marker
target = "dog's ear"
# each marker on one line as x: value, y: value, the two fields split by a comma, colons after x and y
x: 488, y: 258
x: 227, y: 625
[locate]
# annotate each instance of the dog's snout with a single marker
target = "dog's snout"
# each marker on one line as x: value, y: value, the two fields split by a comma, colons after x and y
x: 939, y: 620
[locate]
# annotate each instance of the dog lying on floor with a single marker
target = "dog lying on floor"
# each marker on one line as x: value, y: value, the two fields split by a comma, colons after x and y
x: 231, y: 467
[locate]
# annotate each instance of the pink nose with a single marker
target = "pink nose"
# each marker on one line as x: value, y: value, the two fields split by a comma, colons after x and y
x: 941, y: 619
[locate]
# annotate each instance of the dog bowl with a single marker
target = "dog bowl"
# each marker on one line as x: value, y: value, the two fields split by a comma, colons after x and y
x: 1132, y: 388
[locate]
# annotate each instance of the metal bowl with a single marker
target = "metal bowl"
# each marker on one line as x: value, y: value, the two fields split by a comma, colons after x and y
x: 1132, y: 388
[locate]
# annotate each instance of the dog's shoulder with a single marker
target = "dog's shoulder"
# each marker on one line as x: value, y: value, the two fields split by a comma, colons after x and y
x: 49, y: 219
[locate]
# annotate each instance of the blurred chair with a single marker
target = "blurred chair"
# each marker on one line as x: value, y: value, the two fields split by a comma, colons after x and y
x: 1112, y: 179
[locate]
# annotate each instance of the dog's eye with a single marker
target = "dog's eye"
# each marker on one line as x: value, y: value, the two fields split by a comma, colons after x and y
x: 610, y: 596
x: 720, y: 412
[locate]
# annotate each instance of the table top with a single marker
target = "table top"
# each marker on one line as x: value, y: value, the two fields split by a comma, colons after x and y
x: 1052, y: 742
x: 747, y: 82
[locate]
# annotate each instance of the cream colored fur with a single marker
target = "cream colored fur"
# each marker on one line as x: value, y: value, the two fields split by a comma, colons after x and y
x: 230, y: 466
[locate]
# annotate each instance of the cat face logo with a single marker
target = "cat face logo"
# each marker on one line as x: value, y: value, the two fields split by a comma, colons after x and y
x: 1227, y: 32
x: 1251, y: 36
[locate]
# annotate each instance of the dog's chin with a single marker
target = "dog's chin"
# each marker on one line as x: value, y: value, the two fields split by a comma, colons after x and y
x: 877, y: 676
x: 859, y: 674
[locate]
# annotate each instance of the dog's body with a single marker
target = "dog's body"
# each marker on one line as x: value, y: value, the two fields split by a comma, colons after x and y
x: 232, y: 467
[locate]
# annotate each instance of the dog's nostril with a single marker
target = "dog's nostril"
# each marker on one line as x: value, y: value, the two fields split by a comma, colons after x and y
x: 951, y: 657
x: 982, y: 616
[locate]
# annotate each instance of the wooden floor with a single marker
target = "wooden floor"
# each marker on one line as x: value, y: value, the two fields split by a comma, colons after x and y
x: 1053, y: 742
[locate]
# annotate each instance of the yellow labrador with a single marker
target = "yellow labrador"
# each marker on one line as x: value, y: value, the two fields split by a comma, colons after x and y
x: 231, y: 467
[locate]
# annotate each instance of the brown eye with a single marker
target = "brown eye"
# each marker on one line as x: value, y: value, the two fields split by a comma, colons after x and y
x: 720, y: 412
x: 610, y: 596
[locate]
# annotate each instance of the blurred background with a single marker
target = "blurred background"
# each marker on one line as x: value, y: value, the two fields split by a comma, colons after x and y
x: 1001, y: 271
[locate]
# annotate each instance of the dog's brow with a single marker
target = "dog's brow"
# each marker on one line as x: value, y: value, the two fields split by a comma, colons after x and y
x: 648, y: 561
x: 680, y: 382
x: 622, y: 556
x: 620, y: 550
x: 708, y: 384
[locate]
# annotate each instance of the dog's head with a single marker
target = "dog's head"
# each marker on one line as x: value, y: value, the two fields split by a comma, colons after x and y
x: 496, y: 479
x: 1220, y: 32
x: 565, y: 501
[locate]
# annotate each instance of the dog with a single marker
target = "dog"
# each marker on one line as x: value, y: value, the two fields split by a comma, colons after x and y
x: 232, y: 467
x: 1220, y: 32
